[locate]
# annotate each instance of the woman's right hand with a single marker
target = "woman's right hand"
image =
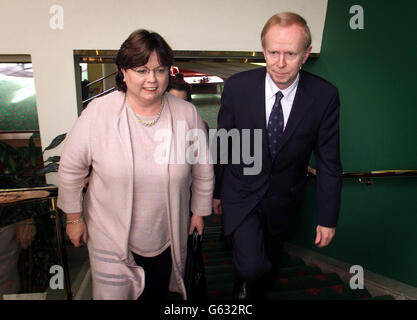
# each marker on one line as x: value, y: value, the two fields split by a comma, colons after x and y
x: 77, y: 232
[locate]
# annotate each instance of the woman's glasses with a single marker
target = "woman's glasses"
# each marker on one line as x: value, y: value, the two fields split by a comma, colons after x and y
x: 144, y: 71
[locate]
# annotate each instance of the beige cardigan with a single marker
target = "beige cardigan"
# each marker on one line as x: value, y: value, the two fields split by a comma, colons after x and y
x: 100, y: 137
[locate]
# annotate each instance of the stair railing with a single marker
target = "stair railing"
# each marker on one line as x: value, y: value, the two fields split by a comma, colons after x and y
x: 366, y: 177
x: 85, y: 102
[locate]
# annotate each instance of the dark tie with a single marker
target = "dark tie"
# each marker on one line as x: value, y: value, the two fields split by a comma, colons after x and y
x: 275, y: 125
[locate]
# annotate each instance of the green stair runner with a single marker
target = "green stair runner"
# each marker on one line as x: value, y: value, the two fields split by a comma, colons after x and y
x: 295, y: 281
x: 208, y: 105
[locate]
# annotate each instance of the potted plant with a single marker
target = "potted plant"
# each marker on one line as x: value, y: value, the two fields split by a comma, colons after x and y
x: 27, y: 223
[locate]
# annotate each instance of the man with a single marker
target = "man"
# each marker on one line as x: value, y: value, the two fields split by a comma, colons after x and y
x: 297, y: 113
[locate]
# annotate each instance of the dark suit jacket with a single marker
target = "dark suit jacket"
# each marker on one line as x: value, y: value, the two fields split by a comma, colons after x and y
x: 313, y: 125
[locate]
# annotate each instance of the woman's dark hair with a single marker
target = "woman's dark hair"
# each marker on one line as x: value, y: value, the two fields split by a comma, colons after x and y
x: 178, y: 83
x: 136, y: 50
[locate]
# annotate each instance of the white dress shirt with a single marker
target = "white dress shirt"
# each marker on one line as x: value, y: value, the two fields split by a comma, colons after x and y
x: 289, y: 94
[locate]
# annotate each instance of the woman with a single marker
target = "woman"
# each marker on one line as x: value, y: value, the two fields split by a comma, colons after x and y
x: 136, y: 210
x: 179, y: 88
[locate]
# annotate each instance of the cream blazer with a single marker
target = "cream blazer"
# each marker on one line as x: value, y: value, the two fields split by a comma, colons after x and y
x: 101, y: 138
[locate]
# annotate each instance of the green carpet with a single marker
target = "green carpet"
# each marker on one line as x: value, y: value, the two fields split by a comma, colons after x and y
x: 295, y: 281
x: 208, y: 106
x: 17, y: 104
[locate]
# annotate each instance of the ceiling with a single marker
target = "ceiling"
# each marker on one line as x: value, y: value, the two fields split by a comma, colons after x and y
x: 16, y: 69
x: 221, y: 69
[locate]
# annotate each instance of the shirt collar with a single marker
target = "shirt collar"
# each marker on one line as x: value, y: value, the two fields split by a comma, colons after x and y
x: 271, y: 88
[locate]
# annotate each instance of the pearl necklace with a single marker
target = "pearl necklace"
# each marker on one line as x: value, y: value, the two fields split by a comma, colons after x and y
x: 151, y: 123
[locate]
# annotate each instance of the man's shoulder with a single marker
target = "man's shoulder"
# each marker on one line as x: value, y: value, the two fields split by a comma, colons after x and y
x: 315, y: 81
x: 248, y: 76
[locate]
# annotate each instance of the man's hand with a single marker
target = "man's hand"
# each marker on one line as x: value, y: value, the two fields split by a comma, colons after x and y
x: 311, y: 170
x: 217, y: 206
x: 77, y: 232
x: 196, y: 222
x: 324, y: 236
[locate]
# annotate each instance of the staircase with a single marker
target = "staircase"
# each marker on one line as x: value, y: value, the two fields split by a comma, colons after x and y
x: 295, y: 281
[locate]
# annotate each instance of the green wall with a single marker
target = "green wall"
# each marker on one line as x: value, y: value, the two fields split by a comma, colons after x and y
x: 374, y: 69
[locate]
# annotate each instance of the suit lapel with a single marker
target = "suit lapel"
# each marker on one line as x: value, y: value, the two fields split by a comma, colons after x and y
x: 257, y: 105
x: 300, y: 108
x: 259, y: 116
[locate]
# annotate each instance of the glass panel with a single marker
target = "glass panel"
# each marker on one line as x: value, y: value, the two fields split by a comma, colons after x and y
x: 17, y: 98
x: 28, y: 250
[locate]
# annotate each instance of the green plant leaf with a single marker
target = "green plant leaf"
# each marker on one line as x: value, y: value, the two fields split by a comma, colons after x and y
x: 52, y: 167
x: 56, y: 142
x: 53, y: 159
x: 12, y: 164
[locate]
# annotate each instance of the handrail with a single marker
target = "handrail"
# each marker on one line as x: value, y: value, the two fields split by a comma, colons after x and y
x: 18, y: 131
x: 99, y: 95
x: 25, y: 195
x: 100, y: 55
x: 380, y: 173
x: 101, y: 79
x: 53, y: 190
x: 373, y: 174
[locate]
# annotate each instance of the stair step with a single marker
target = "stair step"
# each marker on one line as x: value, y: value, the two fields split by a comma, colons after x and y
x: 219, y: 236
x: 216, y: 248
x: 305, y: 286
x: 213, y: 258
x: 295, y: 280
x: 282, y: 285
x: 330, y: 292
x: 217, y: 269
x: 213, y: 229
x: 216, y: 254
x: 212, y: 236
x: 216, y: 259
x: 174, y: 296
x: 284, y: 272
x: 213, y: 244
x: 298, y: 271
x: 308, y: 281
x: 385, y: 297
x: 212, y: 232
x: 212, y: 222
x: 291, y: 261
x: 214, y: 279
x: 323, y: 293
